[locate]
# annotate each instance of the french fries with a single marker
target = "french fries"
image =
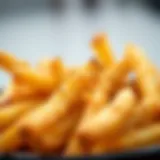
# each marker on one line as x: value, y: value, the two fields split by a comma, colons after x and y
x: 59, y: 104
x: 12, y: 112
x: 9, y: 63
x: 108, y: 122
x: 11, y: 138
x: 148, y: 83
x: 94, y: 108
x: 147, y: 77
x: 136, y: 138
x: 103, y: 51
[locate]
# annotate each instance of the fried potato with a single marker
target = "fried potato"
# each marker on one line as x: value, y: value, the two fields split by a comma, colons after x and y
x: 74, y: 147
x: 52, y: 67
x: 11, y: 138
x: 147, y: 76
x: 109, y: 81
x: 102, y: 49
x: 30, y: 76
x: 132, y: 139
x: 10, y: 63
x: 5, y: 96
x: 57, y: 136
x: 135, y: 139
x: 12, y: 112
x: 112, y: 119
x: 58, y: 105
x: 102, y: 106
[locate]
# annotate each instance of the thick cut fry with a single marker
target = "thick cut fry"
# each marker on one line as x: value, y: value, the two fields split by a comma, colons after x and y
x: 147, y: 77
x: 11, y: 139
x: 52, y: 66
x: 142, y: 137
x: 59, y: 104
x: 147, y: 80
x: 149, y: 135
x: 57, y: 136
x: 74, y: 147
x: 12, y: 112
x: 19, y: 92
x: 112, y: 119
x: 5, y: 96
x: 46, y: 82
x: 103, y: 51
x: 90, y: 109
x: 108, y: 83
x: 9, y: 62
x: 37, y: 80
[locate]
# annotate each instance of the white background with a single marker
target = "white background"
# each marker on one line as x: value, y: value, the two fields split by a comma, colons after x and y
x: 35, y: 30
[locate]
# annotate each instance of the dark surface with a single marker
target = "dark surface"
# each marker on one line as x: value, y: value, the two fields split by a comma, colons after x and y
x: 146, y: 154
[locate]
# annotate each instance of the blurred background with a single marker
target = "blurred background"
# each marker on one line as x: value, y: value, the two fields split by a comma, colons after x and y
x: 33, y: 29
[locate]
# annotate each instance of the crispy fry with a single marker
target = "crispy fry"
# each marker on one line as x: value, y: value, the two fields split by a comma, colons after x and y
x: 52, y: 66
x: 112, y: 119
x: 9, y: 62
x: 46, y: 82
x: 58, y: 135
x: 36, y: 80
x: 19, y: 92
x: 102, y: 106
x: 74, y: 147
x: 11, y: 139
x: 59, y: 104
x: 147, y: 80
x: 103, y: 51
x: 12, y: 112
x: 147, y: 76
x: 108, y: 82
x: 133, y: 139
x: 5, y: 97
x: 142, y: 137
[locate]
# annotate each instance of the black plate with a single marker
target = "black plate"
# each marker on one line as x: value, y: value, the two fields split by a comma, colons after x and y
x: 139, y: 154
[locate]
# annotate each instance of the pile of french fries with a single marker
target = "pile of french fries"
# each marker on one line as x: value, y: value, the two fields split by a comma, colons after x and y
x: 104, y: 106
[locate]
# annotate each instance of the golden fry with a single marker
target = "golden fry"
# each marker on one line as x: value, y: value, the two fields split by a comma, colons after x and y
x: 12, y: 112
x: 5, y: 97
x: 11, y: 138
x: 138, y: 138
x: 149, y: 135
x: 74, y: 147
x: 146, y: 75
x: 51, y: 66
x: 58, y: 135
x: 10, y: 63
x: 112, y: 119
x: 90, y: 109
x: 103, y: 51
x: 59, y: 104
x: 109, y: 81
